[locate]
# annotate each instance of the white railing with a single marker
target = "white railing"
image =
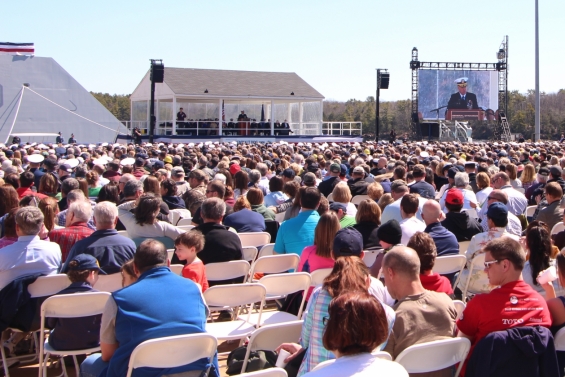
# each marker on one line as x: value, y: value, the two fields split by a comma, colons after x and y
x: 342, y: 128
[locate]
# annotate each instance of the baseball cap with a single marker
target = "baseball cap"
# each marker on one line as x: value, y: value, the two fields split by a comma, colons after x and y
x: 454, y: 196
x: 158, y: 164
x: 358, y: 170
x: 66, y: 167
x: 334, y: 168
x: 86, y: 262
x: 544, y: 172
x: 313, y: 167
x: 347, y: 242
x: 288, y: 173
x: 234, y: 168
x: 335, y: 206
x: 497, y: 212
x: 452, y: 171
x: 177, y: 171
x: 555, y: 171
x: 309, y: 179
x: 343, y: 168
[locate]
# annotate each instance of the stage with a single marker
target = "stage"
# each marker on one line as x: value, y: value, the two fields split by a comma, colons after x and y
x: 184, y: 139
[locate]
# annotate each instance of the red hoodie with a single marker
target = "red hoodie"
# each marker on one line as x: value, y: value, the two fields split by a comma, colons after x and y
x: 436, y: 282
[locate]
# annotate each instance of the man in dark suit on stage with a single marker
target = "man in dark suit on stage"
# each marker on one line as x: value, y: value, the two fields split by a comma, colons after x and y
x: 462, y: 99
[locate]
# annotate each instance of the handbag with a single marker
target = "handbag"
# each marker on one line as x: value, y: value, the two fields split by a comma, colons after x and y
x: 258, y: 360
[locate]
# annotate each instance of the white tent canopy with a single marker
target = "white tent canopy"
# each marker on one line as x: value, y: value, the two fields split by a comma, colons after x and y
x: 37, y: 96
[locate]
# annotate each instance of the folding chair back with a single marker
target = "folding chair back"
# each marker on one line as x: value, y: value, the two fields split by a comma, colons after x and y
x: 476, y: 263
x: 274, y: 264
x: 48, y: 285
x: 168, y: 242
x: 186, y: 228
x: 172, y: 351
x: 357, y: 199
x: 269, y: 337
x: 123, y: 233
x: 319, y: 275
x: 450, y: 264
x: 434, y: 356
x: 183, y: 222
x: 176, y: 268
x: 559, y: 340
x: 559, y: 227
x: 459, y: 306
x: 268, y: 249
x: 382, y: 355
x: 463, y: 246
x: 176, y: 214
x: 530, y: 210
x: 249, y: 253
x: 471, y: 212
x: 279, y: 217
x: 370, y: 256
x: 254, y: 238
x: 331, y: 197
x: 227, y: 270
x: 170, y: 254
x: 232, y: 295
x: 109, y: 283
x: 271, y: 372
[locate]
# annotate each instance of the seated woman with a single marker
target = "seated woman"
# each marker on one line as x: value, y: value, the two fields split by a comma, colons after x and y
x: 342, y: 194
x: 84, y: 332
x: 255, y: 198
x: 169, y: 195
x: 143, y: 221
x: 128, y: 274
x: 349, y: 274
x: 556, y: 304
x: 540, y: 253
x: 356, y: 325
x: 368, y: 219
x: 427, y: 252
x: 276, y: 196
x: 243, y: 219
x: 319, y: 255
x: 93, y: 183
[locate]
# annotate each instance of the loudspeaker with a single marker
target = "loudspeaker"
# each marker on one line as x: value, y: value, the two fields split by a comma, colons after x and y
x: 429, y: 129
x: 385, y: 78
x: 158, y: 72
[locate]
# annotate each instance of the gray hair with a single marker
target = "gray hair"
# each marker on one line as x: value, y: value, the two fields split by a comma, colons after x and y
x: 263, y: 169
x: 461, y: 180
x: 105, y: 213
x: 542, y: 178
x: 81, y: 209
x: 213, y: 209
x: 254, y: 176
x: 68, y: 185
x: 132, y: 187
x: 75, y: 196
x: 29, y: 220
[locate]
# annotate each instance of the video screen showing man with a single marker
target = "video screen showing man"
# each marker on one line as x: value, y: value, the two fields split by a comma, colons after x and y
x: 462, y: 99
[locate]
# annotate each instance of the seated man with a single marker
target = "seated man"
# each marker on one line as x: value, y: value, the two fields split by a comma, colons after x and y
x: 459, y: 223
x: 553, y: 213
x: 297, y: 233
x: 28, y: 255
x: 425, y: 247
x: 409, y: 224
x: 421, y: 315
x: 341, y: 211
x: 513, y: 226
x: 111, y: 249
x: 446, y: 242
x: 513, y: 304
x: 78, y: 214
x: 143, y: 311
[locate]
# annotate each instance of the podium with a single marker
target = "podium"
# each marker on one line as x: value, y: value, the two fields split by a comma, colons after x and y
x: 464, y: 114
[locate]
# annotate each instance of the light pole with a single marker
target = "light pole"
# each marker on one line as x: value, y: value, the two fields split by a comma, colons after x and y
x: 537, y: 100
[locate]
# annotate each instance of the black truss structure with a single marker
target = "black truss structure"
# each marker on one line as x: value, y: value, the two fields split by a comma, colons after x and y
x: 501, y: 67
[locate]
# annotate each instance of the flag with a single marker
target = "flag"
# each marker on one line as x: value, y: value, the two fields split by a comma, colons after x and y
x: 223, y: 112
x: 17, y: 48
x: 262, y: 113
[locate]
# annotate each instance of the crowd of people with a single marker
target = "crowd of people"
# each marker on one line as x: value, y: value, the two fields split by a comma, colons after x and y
x: 61, y: 207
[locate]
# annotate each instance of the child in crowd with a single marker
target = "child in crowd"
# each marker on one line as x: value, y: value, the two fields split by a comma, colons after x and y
x: 187, y: 246
x: 128, y: 274
x: 84, y: 332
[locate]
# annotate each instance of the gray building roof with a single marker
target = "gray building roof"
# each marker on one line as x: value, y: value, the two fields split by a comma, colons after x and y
x: 190, y: 81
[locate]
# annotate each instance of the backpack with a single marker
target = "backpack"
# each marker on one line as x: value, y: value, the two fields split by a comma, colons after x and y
x: 258, y: 360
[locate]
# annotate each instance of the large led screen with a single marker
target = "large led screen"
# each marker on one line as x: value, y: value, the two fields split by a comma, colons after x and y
x: 467, y: 94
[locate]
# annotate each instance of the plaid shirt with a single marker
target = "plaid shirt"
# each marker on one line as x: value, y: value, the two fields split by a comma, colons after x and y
x: 67, y: 237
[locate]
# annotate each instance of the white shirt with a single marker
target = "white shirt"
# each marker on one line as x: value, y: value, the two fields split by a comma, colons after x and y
x: 410, y: 226
x: 27, y: 256
x: 392, y: 211
x: 361, y: 364
x: 468, y: 198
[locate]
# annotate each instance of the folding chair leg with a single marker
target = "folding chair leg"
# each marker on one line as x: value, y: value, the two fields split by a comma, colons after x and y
x: 77, y: 368
x: 4, y: 360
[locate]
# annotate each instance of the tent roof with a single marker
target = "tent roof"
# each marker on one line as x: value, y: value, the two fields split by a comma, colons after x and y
x: 193, y: 82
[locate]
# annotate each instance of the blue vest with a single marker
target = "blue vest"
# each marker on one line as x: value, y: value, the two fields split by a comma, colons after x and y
x: 159, y: 304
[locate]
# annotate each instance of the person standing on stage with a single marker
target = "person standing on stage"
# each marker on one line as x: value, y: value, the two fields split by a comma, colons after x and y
x: 181, y: 115
x: 392, y: 136
x: 462, y: 99
x: 60, y: 139
x: 243, y: 123
x: 136, y: 134
x: 72, y: 139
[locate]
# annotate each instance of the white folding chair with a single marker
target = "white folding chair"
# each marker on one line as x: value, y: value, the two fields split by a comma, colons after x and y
x: 184, y: 222
x: 358, y: 199
x: 323, y: 364
x: 319, y: 275
x: 478, y: 260
x: 249, y: 253
x: 279, y: 286
x: 459, y: 306
x: 43, y: 286
x: 559, y: 227
x: 269, y: 337
x: 254, y: 238
x: 180, y: 213
x: 471, y: 212
x: 231, y: 296
x: 268, y: 249
x: 370, y: 256
x: 109, y: 283
x: 463, y: 246
x: 331, y: 197
x: 68, y: 306
x: 274, y: 264
x: 379, y: 354
x: 176, y: 268
x: 123, y: 233
x: 559, y: 340
x: 271, y: 372
x: 450, y: 264
x: 434, y: 356
x: 227, y: 270
x: 186, y: 228
x: 520, y: 189
x: 279, y: 217
x: 170, y: 254
x: 172, y: 351
x: 530, y: 210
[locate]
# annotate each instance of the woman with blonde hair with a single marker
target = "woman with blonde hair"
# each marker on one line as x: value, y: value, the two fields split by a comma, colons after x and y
x: 368, y: 219
x: 483, y: 183
x: 528, y: 176
x: 50, y: 209
x: 342, y: 194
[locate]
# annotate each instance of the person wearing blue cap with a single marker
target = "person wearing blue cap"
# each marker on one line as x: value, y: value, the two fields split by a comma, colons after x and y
x: 83, y: 332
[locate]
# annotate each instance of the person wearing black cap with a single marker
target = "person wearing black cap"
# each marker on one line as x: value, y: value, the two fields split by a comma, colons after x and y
x: 389, y: 234
x: 83, y: 332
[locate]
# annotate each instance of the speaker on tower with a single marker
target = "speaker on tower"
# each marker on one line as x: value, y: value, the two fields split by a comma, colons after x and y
x: 157, y: 72
x: 385, y: 78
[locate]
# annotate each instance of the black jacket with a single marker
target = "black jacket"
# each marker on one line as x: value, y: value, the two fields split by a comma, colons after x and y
x: 173, y: 202
x: 455, y: 102
x: 520, y: 351
x: 357, y: 186
x: 463, y: 226
x: 326, y: 187
x: 17, y: 308
x: 368, y: 230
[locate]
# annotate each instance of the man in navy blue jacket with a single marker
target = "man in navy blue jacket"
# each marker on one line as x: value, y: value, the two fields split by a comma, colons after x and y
x: 446, y: 242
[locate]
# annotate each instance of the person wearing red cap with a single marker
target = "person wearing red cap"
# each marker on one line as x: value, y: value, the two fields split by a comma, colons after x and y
x: 459, y: 223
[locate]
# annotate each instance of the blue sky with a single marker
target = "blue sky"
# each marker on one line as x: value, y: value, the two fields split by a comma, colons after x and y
x: 334, y: 45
